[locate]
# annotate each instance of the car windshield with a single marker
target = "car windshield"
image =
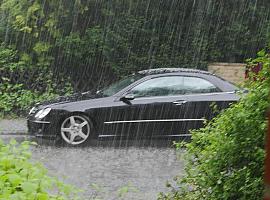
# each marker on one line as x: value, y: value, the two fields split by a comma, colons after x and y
x: 119, y: 85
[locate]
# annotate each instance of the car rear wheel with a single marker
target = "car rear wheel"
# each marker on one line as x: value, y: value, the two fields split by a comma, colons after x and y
x: 76, y: 129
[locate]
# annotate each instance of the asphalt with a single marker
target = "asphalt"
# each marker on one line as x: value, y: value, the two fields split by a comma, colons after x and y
x: 109, y: 170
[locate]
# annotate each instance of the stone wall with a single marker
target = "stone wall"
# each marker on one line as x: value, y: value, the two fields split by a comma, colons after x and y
x: 233, y: 72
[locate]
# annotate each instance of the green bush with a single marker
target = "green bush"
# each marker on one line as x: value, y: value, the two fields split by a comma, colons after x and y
x: 21, y: 179
x: 22, y: 85
x: 14, y: 98
x: 225, y: 159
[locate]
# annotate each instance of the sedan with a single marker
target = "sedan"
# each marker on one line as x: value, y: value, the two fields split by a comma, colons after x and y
x: 154, y: 103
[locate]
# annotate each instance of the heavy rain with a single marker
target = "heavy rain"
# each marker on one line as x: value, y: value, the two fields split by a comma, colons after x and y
x: 109, y: 90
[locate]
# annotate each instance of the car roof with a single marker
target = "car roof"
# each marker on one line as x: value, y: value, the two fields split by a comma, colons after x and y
x: 171, y: 70
x: 221, y: 83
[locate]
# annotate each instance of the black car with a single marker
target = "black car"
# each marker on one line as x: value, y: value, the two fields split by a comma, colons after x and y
x: 164, y: 102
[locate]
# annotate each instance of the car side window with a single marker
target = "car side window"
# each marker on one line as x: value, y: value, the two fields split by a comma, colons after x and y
x: 173, y: 85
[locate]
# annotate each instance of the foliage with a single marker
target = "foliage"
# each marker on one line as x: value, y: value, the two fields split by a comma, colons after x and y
x: 225, y: 159
x: 13, y: 98
x: 22, y: 179
x: 88, y: 44
x: 19, y: 91
x: 91, y: 41
x: 130, y: 36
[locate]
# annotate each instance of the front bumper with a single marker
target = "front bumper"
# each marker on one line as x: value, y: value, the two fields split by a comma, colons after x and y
x: 43, y: 129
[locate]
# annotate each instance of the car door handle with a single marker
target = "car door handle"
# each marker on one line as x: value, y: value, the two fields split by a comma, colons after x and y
x: 180, y: 102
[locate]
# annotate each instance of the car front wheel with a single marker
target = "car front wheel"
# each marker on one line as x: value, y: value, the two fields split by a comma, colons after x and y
x: 75, y: 129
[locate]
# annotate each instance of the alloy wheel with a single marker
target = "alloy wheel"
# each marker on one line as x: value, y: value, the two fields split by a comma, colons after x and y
x: 75, y: 129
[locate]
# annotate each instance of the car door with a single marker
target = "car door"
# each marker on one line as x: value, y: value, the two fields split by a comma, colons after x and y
x: 154, y: 110
x: 197, y: 109
x: 147, y: 115
x: 201, y: 100
x: 175, y: 104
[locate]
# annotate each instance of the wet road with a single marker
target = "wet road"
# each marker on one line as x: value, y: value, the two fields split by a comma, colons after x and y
x: 104, y: 170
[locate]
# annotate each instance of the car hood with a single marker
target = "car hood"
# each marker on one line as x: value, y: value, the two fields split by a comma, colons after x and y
x: 68, y: 99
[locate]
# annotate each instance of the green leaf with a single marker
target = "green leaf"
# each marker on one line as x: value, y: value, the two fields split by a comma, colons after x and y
x: 42, y: 196
x: 14, y: 179
x: 29, y: 187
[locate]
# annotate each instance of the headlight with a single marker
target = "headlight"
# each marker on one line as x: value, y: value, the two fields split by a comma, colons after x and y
x: 42, y: 113
x: 32, y: 110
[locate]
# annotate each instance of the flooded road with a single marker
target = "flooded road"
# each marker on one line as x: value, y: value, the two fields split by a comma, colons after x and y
x: 103, y: 172
x: 108, y: 171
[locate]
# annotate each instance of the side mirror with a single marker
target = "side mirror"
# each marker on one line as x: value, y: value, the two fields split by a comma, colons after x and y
x: 127, y: 97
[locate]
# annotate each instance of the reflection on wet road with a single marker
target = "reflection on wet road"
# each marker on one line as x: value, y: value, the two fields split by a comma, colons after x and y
x: 103, y: 170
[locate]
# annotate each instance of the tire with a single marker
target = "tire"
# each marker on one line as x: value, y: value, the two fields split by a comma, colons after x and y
x: 76, y: 130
